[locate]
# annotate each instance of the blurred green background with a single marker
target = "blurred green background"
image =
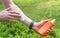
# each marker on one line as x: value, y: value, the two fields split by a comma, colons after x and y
x: 37, y: 10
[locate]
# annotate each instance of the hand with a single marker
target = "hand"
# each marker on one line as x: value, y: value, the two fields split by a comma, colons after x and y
x: 38, y: 25
x: 8, y: 15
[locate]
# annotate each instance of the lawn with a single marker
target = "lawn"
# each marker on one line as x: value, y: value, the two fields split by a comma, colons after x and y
x: 37, y: 10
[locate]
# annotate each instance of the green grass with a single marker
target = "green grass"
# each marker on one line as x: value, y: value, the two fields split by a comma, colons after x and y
x: 37, y: 10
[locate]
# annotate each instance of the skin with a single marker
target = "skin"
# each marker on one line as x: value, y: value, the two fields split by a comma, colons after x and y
x: 8, y: 15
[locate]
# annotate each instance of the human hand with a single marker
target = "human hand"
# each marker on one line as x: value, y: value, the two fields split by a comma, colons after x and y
x: 38, y: 25
x: 9, y: 15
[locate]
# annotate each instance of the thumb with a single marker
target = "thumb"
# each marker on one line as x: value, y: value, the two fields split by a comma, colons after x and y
x: 42, y: 22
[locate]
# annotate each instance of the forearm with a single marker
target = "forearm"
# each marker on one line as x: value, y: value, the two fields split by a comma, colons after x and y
x: 6, y: 3
x: 24, y: 19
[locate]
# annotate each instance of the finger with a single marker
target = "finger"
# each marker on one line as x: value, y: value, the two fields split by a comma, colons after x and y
x: 13, y: 12
x: 49, y: 29
x: 8, y: 9
x: 44, y: 21
x: 52, y: 28
x: 47, y: 33
x: 10, y: 20
x: 9, y: 17
x: 15, y: 15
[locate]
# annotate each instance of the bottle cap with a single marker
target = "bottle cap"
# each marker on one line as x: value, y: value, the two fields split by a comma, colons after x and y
x: 53, y: 20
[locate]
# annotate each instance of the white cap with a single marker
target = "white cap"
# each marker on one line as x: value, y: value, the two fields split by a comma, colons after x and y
x: 53, y: 20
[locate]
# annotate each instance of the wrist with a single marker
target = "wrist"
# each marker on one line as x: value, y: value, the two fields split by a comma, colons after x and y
x: 32, y: 25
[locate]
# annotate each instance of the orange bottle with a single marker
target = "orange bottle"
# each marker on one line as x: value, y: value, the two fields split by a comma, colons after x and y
x: 42, y: 30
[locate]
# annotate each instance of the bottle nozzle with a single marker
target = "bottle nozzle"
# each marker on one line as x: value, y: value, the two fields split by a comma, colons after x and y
x: 53, y: 20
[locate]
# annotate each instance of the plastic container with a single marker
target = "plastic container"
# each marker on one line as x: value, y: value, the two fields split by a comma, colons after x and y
x: 43, y: 29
